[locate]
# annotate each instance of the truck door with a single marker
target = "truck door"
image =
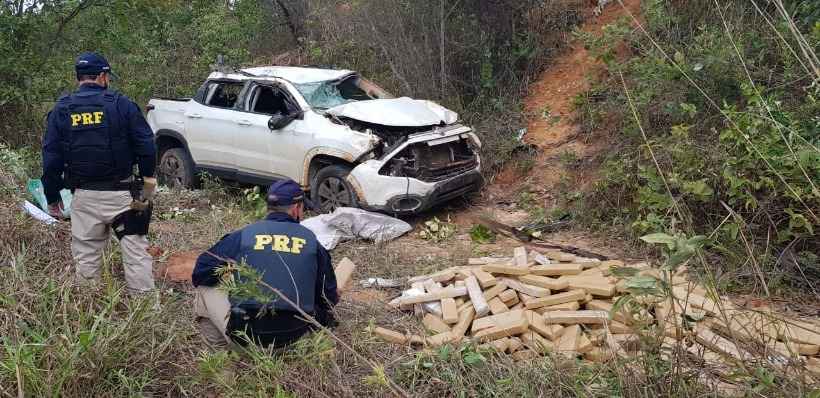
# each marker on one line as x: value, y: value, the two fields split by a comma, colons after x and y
x: 211, y: 128
x: 260, y: 150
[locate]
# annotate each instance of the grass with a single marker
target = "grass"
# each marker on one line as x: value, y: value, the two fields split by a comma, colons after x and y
x: 62, y: 340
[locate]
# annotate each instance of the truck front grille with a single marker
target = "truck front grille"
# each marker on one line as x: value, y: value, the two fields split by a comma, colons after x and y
x: 432, y: 163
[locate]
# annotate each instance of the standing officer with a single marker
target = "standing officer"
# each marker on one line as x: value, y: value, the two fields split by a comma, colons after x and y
x: 94, y: 138
x: 289, y: 259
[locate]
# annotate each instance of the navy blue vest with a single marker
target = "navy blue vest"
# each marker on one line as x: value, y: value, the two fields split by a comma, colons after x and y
x: 285, y: 254
x: 95, y: 140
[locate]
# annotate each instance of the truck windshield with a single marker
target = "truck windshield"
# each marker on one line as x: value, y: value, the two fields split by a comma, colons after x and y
x: 327, y: 94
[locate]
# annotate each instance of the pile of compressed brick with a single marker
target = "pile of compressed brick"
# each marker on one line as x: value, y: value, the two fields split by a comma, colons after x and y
x: 554, y: 302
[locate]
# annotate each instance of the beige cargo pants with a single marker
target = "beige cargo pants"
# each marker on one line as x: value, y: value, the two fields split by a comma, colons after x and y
x: 91, y: 215
x: 211, y: 307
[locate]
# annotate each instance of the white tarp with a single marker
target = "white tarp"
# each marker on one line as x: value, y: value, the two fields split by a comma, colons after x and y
x: 401, y: 112
x: 348, y: 223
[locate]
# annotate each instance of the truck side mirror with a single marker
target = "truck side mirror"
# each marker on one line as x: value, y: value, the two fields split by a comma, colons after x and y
x: 279, y: 121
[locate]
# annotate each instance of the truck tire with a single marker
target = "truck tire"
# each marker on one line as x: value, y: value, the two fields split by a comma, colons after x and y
x: 176, y: 169
x: 330, y: 189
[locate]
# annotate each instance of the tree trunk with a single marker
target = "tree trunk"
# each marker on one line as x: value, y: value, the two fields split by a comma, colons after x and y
x: 443, y: 73
x: 295, y: 31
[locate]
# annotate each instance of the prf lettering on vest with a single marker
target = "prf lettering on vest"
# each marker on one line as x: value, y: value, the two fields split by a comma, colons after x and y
x: 280, y: 243
x: 86, y: 118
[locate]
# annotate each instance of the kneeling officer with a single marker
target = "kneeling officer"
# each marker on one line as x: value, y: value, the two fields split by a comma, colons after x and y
x: 289, y: 258
x: 94, y: 138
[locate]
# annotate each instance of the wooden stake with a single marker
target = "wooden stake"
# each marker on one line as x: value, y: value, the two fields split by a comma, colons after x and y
x: 566, y: 297
x: 545, y: 282
x: 497, y: 306
x: 505, y: 269
x: 575, y: 317
x: 538, y: 325
x: 568, y: 342
x: 439, y: 339
x: 594, y: 287
x: 434, y: 324
x: 557, y: 269
x: 569, y: 306
x: 510, y: 327
x: 485, y: 279
x: 529, y: 290
x: 390, y: 336
x: 449, y: 310
x: 494, y: 291
x: 536, y: 342
x: 496, y: 320
x: 559, y: 256
x: 520, y: 256
x: 448, y: 292
x: 514, y: 345
x: 344, y: 271
x: 464, y: 319
x: 477, y: 297
x: 584, y: 344
x: 719, y: 344
x: 508, y: 295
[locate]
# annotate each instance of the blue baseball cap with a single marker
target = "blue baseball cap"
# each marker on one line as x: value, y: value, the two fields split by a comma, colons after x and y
x: 90, y: 63
x: 286, y: 193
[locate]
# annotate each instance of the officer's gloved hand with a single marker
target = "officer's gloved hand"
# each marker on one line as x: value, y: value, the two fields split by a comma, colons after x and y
x: 149, y: 188
x: 56, y: 209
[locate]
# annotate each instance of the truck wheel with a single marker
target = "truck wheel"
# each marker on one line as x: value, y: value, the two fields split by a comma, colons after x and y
x: 330, y: 189
x: 176, y: 169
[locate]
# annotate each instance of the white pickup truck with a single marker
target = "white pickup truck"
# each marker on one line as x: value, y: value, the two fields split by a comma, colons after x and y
x: 343, y: 138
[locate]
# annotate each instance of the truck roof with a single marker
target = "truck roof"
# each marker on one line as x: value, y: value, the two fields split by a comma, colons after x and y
x: 293, y: 74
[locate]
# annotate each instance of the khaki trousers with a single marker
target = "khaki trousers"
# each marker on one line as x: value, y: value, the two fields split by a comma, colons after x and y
x: 211, y: 307
x: 91, y: 215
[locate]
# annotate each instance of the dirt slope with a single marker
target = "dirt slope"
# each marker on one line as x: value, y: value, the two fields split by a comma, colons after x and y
x: 551, y: 126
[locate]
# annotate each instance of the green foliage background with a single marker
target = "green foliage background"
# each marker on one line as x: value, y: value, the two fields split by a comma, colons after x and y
x: 157, y: 48
x: 761, y: 161
x: 165, y: 48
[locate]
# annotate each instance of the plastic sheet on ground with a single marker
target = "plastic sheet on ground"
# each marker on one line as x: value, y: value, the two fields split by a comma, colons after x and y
x: 35, y: 188
x: 38, y: 214
x: 347, y: 223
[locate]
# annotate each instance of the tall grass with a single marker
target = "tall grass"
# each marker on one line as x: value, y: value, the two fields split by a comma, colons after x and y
x: 718, y: 138
x: 60, y: 340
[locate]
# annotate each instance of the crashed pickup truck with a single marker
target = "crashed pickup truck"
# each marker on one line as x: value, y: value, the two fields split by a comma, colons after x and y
x: 342, y: 137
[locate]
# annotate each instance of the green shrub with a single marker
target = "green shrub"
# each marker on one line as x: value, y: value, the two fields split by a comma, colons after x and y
x: 749, y: 168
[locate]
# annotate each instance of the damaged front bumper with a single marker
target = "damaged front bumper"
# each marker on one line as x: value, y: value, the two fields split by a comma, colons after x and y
x: 426, y: 170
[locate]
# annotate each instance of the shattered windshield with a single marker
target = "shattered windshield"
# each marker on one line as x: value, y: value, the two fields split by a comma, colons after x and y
x: 327, y: 94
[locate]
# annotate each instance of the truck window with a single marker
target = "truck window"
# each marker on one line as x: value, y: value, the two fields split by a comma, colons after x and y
x: 223, y: 94
x: 267, y: 100
x: 327, y: 94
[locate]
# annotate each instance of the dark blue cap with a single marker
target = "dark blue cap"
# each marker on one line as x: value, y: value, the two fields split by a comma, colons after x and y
x: 90, y: 63
x: 286, y: 193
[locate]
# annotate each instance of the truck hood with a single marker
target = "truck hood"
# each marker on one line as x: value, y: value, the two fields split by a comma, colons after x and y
x: 398, y: 112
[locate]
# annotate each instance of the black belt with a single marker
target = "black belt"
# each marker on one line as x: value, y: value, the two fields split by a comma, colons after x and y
x: 106, y: 185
